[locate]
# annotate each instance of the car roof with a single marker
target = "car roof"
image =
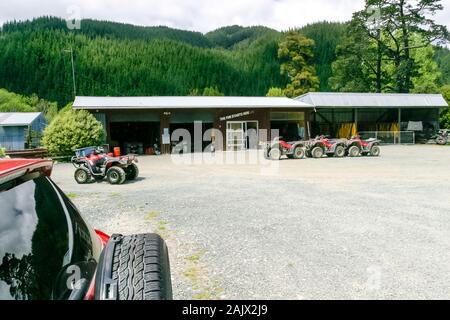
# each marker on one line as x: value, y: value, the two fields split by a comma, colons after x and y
x: 13, y: 168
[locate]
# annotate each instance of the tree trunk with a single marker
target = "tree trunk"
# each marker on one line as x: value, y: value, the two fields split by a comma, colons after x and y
x: 407, y: 55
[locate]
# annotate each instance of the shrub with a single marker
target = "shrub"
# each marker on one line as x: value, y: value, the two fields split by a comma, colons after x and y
x: 71, y: 130
x: 445, y: 115
x: 2, y: 152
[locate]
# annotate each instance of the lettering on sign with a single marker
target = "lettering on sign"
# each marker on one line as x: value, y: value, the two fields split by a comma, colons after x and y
x: 237, y: 115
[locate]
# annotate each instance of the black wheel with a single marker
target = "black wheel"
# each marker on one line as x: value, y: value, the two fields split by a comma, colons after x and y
x: 134, y: 267
x: 82, y: 175
x: 317, y: 152
x: 299, y: 153
x: 132, y: 172
x: 353, y: 151
x: 115, y: 175
x: 339, y: 152
x: 375, y: 151
x: 275, y: 154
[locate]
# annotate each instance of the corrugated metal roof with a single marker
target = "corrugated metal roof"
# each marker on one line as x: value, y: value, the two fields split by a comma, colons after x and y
x: 373, y: 100
x: 188, y: 102
x: 18, y: 118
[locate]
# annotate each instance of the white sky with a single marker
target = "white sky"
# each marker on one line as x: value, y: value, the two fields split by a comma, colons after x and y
x: 197, y: 15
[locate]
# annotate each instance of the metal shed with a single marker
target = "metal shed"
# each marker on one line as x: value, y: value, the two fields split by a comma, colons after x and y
x: 341, y: 114
x: 15, y: 128
x: 146, y: 121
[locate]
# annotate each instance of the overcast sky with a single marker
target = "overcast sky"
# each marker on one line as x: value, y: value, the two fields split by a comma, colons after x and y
x: 198, y: 15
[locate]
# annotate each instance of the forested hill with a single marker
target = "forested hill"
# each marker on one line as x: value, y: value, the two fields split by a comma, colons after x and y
x: 123, y: 59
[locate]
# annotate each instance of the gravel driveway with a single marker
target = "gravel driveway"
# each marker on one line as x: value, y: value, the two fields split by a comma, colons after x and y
x: 352, y: 228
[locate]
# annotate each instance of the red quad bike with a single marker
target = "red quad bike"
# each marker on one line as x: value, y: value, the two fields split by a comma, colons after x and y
x: 321, y: 145
x: 278, y: 148
x: 48, y: 251
x: 356, y: 146
x: 93, y: 164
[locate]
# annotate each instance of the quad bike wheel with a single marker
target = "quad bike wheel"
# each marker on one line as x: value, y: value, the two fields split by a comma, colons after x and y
x: 131, y: 172
x: 275, y: 154
x: 134, y: 267
x: 317, y: 152
x: 339, y: 152
x: 441, y: 141
x: 353, y: 151
x: 116, y: 175
x: 82, y: 175
x: 375, y: 151
x: 299, y: 153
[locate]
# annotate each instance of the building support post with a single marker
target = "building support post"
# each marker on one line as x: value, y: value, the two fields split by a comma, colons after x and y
x: 356, y: 120
x: 399, y: 125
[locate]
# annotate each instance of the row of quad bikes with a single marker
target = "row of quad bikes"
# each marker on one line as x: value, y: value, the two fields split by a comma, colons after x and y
x: 322, y: 146
x: 93, y: 164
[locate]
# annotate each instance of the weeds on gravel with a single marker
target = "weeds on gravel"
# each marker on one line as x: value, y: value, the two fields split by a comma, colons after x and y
x: 162, y: 225
x: 152, y: 215
x: 72, y: 195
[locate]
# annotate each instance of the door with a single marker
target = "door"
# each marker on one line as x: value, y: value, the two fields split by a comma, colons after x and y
x: 236, y: 140
x: 242, y: 135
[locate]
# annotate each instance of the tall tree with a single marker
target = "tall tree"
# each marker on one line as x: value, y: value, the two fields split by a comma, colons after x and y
x: 401, y: 20
x: 296, y: 55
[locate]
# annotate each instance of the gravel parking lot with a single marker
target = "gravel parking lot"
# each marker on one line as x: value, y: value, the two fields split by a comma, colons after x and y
x: 352, y: 228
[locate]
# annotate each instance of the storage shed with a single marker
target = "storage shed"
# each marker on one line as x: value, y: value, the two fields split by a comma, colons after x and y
x: 341, y: 114
x: 20, y: 130
x: 144, y: 121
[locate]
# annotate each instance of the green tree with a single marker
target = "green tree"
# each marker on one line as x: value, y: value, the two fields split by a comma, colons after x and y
x: 11, y: 102
x: 71, y: 130
x: 275, y: 92
x: 296, y: 55
x: 208, y: 91
x: 401, y: 20
x: 445, y: 115
x: 386, y: 45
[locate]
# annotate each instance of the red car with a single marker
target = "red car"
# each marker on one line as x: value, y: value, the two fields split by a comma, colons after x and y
x: 47, y: 250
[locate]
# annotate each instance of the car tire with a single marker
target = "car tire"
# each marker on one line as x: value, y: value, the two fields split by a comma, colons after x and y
x: 275, y: 153
x: 141, y: 268
x: 375, y: 151
x: 339, y: 152
x: 317, y: 152
x: 299, y: 153
x: 134, y: 267
x: 353, y: 151
x: 132, y: 172
x: 116, y: 175
x: 82, y: 175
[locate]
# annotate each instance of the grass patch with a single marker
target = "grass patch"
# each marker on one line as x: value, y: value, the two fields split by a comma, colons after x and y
x: 194, y: 257
x: 203, y: 296
x: 115, y: 194
x: 152, y: 215
x: 72, y: 195
x: 162, y: 225
x: 192, y: 274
